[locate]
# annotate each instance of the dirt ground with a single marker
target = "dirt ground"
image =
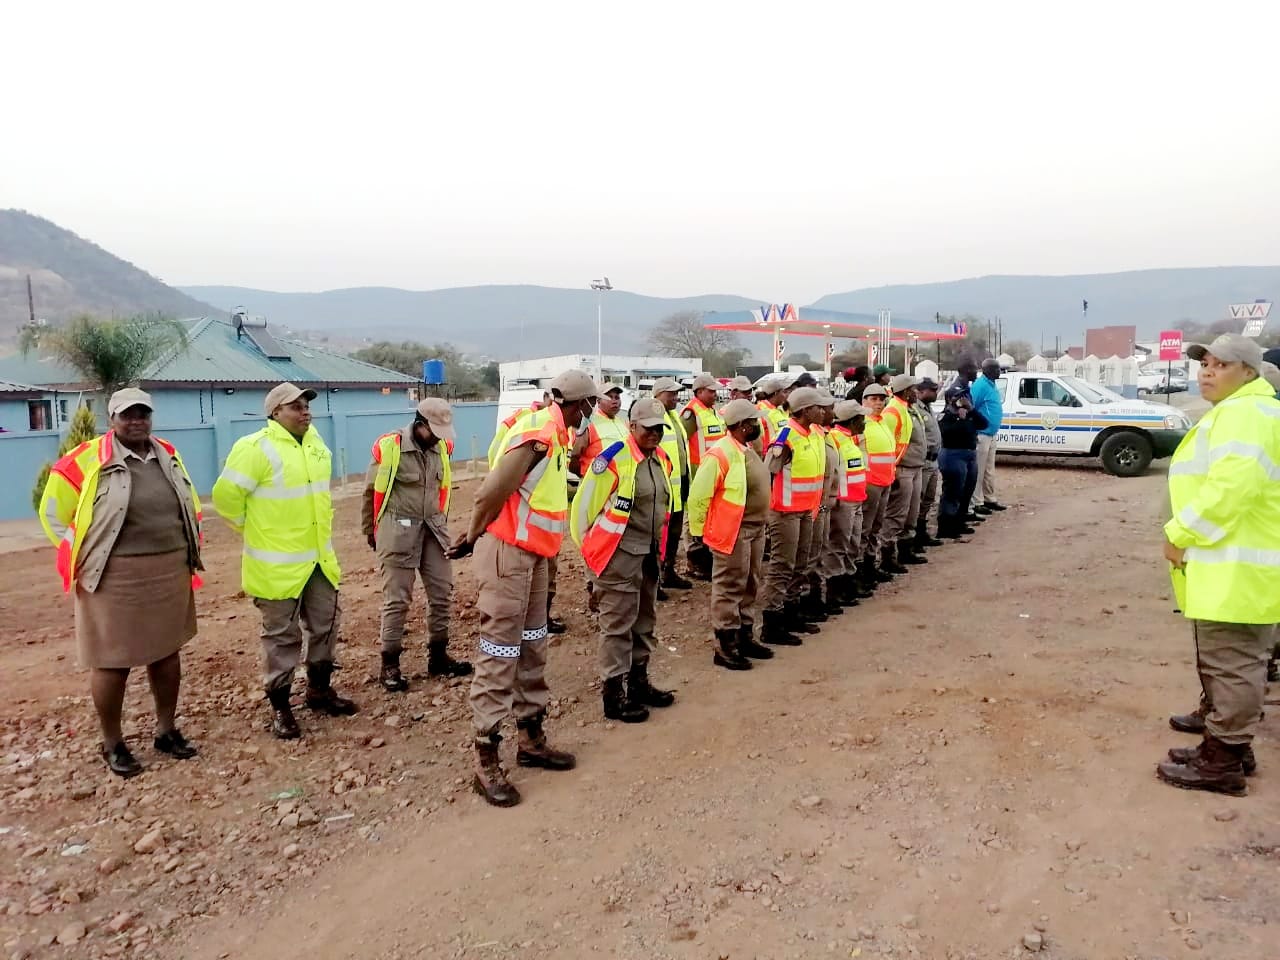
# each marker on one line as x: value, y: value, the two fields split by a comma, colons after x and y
x: 962, y: 767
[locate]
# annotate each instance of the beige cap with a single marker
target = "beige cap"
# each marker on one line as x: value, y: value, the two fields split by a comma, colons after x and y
x: 648, y: 412
x: 439, y: 417
x: 735, y: 411
x: 665, y: 385
x: 874, y: 390
x: 575, y: 385
x: 1271, y: 373
x: 803, y: 397
x: 903, y: 381
x: 705, y: 381
x: 740, y: 382
x: 848, y: 409
x: 768, y: 384
x: 126, y: 398
x: 610, y: 387
x: 1229, y: 348
x: 285, y: 393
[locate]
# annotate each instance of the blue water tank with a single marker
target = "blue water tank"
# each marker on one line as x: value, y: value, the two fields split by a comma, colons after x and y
x: 433, y: 372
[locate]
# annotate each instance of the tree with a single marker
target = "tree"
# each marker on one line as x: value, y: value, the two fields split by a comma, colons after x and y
x: 83, y: 427
x: 108, y: 353
x: 463, y: 378
x: 683, y: 334
x: 1020, y: 350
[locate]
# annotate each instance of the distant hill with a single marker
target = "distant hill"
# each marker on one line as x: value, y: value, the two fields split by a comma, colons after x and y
x: 71, y: 275
x: 483, y: 320
x: 1030, y: 306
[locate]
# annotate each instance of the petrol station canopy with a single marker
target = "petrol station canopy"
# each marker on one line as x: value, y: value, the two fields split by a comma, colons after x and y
x: 812, y: 322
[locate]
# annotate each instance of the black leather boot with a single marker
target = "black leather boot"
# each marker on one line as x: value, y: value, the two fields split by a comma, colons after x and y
x: 641, y: 691
x: 777, y: 629
x: 796, y: 621
x: 490, y: 780
x: 320, y: 693
x: 748, y: 647
x: 534, y: 751
x: 440, y: 664
x: 283, y: 724
x: 923, y: 539
x: 847, y: 589
x: 889, y: 563
x: 906, y: 555
x: 391, y: 679
x: 616, y: 705
x: 726, y: 652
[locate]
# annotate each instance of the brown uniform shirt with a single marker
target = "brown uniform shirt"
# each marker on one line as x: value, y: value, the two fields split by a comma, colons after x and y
x: 504, y: 480
x: 415, y: 493
x: 153, y: 520
x: 758, y: 483
x: 649, y: 506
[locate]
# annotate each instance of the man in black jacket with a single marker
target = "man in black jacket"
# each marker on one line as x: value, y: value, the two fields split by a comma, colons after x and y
x: 958, y: 460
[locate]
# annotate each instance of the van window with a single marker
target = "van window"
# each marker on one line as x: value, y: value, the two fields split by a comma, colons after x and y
x: 1044, y: 393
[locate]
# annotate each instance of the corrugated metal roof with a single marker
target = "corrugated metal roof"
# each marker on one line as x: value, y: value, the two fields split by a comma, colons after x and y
x: 8, y: 386
x: 214, y: 354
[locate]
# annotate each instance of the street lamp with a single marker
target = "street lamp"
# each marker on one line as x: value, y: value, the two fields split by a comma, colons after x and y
x: 601, y: 287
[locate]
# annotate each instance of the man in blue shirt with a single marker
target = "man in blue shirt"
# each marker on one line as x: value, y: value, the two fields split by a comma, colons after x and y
x: 986, y: 401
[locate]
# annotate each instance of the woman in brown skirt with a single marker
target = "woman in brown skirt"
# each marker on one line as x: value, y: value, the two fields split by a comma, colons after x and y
x: 126, y: 520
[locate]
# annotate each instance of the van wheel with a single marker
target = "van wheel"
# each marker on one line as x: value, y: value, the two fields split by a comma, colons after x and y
x: 1125, y: 454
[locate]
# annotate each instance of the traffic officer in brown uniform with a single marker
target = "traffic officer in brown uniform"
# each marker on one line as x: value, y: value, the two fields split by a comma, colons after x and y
x: 735, y: 542
x: 818, y: 603
x: 904, y: 498
x: 518, y: 523
x: 703, y: 428
x: 796, y: 478
x: 603, y: 427
x: 627, y: 486
x: 404, y: 518
x: 667, y: 391
x: 931, y: 476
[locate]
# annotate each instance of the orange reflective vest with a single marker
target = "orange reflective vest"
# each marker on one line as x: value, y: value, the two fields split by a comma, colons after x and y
x: 772, y: 420
x: 853, y: 468
x: 897, y: 419
x: 797, y: 487
x: 882, y: 459
x: 601, y: 431
x: 534, y: 516
x: 711, y: 430
x: 386, y: 454
x: 718, y: 496
x: 498, y: 443
x: 66, y: 507
x: 602, y: 505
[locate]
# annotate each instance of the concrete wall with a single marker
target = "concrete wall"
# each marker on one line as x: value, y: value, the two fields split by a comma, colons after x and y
x: 204, y: 446
x: 14, y: 415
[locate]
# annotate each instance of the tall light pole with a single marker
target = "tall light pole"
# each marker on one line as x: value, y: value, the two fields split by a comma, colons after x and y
x: 601, y: 287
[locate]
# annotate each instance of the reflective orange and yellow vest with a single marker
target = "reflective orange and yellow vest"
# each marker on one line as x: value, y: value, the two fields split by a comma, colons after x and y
x: 797, y: 488
x: 602, y: 505
x: 386, y: 454
x: 882, y: 458
x: 710, y: 431
x: 718, y: 496
x: 897, y: 419
x: 772, y: 420
x: 66, y: 507
x: 853, y: 469
x: 534, y: 517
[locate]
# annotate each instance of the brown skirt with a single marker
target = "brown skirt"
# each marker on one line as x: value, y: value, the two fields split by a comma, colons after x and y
x: 143, y: 610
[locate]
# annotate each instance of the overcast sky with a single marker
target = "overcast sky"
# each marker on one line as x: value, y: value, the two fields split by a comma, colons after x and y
x: 775, y: 150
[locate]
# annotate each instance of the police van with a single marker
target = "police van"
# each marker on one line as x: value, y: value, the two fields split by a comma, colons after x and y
x: 1054, y: 415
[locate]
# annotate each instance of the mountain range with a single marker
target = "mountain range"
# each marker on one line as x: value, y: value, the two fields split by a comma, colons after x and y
x: 72, y: 275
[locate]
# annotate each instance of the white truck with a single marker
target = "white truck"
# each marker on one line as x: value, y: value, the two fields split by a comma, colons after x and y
x: 1054, y: 415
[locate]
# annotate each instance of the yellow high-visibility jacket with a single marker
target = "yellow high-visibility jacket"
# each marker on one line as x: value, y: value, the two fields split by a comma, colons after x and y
x: 275, y: 490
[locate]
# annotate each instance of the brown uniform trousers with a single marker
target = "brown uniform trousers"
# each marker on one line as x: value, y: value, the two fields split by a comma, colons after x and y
x: 930, y: 477
x: 904, y: 507
x: 819, y: 547
x: 841, y: 553
x: 313, y: 616
x: 872, y: 519
x: 407, y: 550
x: 789, y: 537
x: 1232, y: 661
x: 511, y: 664
x: 627, y: 593
x: 735, y: 578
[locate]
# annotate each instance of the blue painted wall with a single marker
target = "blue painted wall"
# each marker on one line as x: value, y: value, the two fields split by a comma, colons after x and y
x: 14, y: 416
x: 204, y: 446
x: 181, y: 407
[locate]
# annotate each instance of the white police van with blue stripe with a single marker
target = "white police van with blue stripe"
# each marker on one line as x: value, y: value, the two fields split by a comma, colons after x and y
x: 1055, y: 415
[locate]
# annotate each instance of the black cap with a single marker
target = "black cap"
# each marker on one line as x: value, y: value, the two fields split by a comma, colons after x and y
x: 1272, y: 356
x: 805, y: 379
x: 926, y: 384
